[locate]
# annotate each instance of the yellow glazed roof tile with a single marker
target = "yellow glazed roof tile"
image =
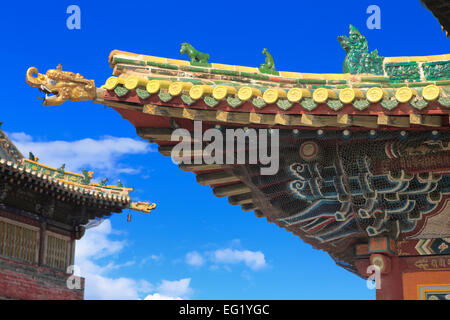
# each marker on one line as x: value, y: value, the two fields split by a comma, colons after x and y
x: 178, y: 62
x: 223, y: 66
x: 440, y: 57
x: 155, y: 59
x: 246, y: 69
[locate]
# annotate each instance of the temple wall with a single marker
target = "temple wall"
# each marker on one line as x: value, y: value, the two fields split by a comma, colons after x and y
x: 20, y: 280
x: 34, y: 260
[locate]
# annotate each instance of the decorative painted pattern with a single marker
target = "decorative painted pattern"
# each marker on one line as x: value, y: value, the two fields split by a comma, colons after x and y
x: 345, y: 196
x: 423, y: 247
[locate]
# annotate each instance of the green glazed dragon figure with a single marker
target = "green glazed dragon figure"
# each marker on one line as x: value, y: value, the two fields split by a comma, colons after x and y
x: 269, y: 65
x: 60, y: 171
x: 194, y: 55
x: 358, y: 59
x: 32, y: 157
x: 87, y: 176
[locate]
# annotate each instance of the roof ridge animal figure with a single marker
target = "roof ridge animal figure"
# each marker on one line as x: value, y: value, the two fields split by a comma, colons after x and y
x: 60, y: 171
x: 358, y: 59
x: 32, y: 157
x: 269, y: 62
x: 194, y: 55
x: 87, y: 176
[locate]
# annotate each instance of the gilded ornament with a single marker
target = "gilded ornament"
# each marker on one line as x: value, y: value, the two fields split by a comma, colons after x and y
x: 60, y: 86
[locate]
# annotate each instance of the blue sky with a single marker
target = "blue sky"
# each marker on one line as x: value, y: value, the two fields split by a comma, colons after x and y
x: 194, y: 245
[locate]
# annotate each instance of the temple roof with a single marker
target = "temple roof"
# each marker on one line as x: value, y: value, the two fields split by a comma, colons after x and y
x: 8, y: 150
x: 361, y: 154
x: 405, y: 89
x: 66, y: 186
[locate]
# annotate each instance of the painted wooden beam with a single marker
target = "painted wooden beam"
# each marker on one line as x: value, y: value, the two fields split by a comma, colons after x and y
x: 231, y: 190
x: 262, y: 118
x: 216, y: 178
x: 163, y: 111
x: 425, y: 120
x: 244, y: 198
x: 393, y: 121
x: 187, y: 155
x: 201, y: 167
x: 357, y: 120
x: 288, y: 120
x: 162, y: 134
x: 233, y: 117
x: 165, y: 150
x: 203, y: 115
x: 249, y: 207
x: 320, y: 121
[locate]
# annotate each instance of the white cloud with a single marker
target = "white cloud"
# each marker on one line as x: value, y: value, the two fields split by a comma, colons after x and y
x: 97, y: 244
x: 157, y: 296
x: 172, y: 290
x: 194, y: 259
x: 105, y: 288
x: 103, y: 245
x: 101, y: 155
x: 223, y: 258
x: 255, y: 260
x: 178, y: 288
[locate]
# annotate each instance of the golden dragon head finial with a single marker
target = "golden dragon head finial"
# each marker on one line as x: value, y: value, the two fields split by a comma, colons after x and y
x: 60, y: 86
x: 144, y: 207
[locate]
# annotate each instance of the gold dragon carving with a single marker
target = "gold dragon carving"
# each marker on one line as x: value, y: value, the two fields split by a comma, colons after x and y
x: 60, y: 86
x: 144, y: 207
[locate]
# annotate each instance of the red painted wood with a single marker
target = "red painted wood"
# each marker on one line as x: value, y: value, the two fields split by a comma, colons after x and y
x: 391, y: 283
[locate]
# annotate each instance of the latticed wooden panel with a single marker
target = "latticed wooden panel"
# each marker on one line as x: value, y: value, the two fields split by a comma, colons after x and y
x: 18, y: 241
x: 57, y: 255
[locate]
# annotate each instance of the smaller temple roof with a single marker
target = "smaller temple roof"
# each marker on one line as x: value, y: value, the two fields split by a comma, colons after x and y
x: 64, y: 185
x: 8, y: 150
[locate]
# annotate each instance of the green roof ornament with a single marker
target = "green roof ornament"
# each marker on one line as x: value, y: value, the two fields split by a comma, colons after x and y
x: 269, y: 66
x: 32, y: 157
x: 60, y: 171
x: 119, y: 183
x: 358, y: 59
x: 197, y: 58
x: 103, y: 182
x: 87, y: 176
